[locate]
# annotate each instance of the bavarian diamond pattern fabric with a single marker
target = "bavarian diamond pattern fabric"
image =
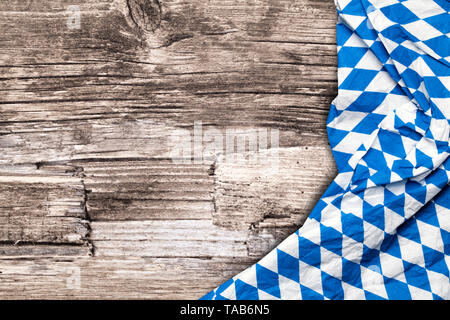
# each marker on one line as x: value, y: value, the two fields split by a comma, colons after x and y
x: 382, y: 229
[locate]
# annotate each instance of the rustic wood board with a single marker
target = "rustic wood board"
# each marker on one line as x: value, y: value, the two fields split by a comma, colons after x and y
x: 92, y: 204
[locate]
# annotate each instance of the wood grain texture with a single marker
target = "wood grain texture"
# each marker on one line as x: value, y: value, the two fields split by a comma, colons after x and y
x: 90, y: 118
x: 43, y: 207
x: 114, y: 277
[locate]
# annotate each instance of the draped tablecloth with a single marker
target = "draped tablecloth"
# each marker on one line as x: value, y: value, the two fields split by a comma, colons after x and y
x: 382, y: 228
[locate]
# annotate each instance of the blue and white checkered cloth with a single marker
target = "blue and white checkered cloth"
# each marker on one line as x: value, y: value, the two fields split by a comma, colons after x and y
x: 382, y: 229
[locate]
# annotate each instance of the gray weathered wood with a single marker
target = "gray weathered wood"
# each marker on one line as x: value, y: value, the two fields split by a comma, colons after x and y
x: 87, y: 124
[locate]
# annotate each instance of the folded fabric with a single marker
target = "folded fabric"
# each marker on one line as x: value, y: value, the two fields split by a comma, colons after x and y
x: 382, y: 229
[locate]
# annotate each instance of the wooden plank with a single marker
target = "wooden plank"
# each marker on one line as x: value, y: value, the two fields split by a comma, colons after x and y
x: 42, y: 209
x: 245, y: 193
x: 114, y: 277
x: 181, y: 238
x: 148, y: 190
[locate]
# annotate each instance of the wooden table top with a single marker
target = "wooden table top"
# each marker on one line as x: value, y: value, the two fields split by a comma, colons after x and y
x: 92, y: 96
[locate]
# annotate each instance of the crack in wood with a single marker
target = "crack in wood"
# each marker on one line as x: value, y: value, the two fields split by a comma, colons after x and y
x: 87, y: 215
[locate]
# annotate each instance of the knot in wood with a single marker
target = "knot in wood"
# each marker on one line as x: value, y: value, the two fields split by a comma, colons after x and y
x: 146, y: 14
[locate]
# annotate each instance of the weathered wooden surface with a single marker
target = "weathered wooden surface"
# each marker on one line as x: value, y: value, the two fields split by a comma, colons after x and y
x: 91, y: 203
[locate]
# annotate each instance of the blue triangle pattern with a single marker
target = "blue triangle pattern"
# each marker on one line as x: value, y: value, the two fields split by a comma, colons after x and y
x: 382, y: 228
